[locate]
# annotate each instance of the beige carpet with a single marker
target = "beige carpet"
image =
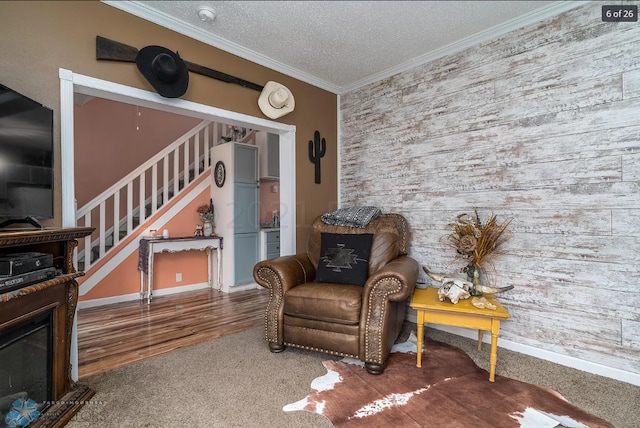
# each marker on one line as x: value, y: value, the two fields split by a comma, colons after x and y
x: 236, y: 382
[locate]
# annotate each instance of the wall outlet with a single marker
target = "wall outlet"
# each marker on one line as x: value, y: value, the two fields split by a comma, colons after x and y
x: 274, y: 188
x: 179, y: 277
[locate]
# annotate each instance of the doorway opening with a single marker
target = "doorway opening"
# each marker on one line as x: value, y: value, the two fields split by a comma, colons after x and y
x: 73, y: 84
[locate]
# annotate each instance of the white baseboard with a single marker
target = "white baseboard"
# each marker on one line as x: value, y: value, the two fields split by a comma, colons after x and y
x: 241, y: 287
x: 554, y: 357
x: 136, y: 296
x: 161, y: 292
x: 181, y: 289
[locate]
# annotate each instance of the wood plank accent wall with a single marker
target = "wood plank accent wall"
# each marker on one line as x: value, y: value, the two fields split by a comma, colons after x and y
x: 542, y: 125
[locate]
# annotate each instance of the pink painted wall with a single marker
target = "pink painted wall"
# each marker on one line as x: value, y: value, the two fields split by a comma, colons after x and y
x: 113, y: 138
x: 125, y: 279
x: 269, y: 201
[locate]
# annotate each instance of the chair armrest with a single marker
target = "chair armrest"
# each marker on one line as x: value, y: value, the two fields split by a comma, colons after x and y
x: 280, y: 275
x: 283, y: 273
x: 396, y: 280
x: 383, y: 307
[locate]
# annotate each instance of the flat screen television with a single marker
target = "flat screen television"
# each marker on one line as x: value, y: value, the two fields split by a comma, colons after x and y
x: 26, y: 159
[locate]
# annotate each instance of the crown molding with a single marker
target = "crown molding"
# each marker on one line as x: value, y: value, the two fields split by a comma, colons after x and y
x: 142, y: 11
x: 491, y: 33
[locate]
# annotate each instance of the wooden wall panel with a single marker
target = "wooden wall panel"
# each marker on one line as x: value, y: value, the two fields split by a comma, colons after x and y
x: 631, y: 84
x: 541, y: 125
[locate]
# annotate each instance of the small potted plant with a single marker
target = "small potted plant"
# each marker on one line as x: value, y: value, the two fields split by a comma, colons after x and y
x: 207, y: 216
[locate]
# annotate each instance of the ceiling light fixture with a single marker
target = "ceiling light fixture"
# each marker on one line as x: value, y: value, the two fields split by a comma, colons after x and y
x: 206, y: 14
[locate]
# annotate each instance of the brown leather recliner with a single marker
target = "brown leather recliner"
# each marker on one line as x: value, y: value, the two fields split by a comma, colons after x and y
x: 355, y: 321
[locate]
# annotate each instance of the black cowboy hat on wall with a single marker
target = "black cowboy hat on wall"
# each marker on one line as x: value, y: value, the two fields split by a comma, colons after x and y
x: 164, y: 69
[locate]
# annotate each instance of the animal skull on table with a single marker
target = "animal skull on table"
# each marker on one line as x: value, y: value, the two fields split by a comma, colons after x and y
x: 456, y: 289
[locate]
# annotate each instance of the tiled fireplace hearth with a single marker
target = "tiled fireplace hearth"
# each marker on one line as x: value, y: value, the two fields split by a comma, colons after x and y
x: 35, y: 335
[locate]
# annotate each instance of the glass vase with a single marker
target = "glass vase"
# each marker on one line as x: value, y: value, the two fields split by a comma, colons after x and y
x: 478, y: 276
x: 207, y: 229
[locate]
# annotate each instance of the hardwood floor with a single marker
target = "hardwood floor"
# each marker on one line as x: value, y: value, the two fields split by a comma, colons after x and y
x: 111, y: 336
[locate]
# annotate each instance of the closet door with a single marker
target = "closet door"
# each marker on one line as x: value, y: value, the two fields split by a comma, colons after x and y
x: 246, y: 207
x: 246, y: 212
x: 246, y: 256
x: 245, y: 164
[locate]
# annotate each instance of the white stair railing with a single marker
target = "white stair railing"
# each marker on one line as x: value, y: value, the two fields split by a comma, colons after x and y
x: 116, y: 211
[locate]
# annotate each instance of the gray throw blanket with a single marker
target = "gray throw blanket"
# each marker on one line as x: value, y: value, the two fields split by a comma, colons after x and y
x: 352, y: 217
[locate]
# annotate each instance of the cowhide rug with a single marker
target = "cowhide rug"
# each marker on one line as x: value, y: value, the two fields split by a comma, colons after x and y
x: 449, y: 390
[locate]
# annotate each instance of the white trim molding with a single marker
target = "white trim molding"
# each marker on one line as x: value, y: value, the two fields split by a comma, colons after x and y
x: 491, y: 33
x: 71, y: 83
x: 143, y: 11
x: 136, y: 296
x: 66, y: 147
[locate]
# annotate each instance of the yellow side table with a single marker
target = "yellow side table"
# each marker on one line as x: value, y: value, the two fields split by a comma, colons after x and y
x: 462, y: 314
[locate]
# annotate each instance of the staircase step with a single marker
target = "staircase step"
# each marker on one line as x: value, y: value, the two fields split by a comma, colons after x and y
x: 184, y: 179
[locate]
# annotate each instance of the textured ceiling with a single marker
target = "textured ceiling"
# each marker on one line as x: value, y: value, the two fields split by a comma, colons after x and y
x: 341, y: 45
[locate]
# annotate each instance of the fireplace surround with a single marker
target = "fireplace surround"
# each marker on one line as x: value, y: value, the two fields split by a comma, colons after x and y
x: 26, y: 352
x: 35, y: 333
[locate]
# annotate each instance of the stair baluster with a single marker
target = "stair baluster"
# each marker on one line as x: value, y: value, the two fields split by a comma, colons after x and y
x: 179, y: 164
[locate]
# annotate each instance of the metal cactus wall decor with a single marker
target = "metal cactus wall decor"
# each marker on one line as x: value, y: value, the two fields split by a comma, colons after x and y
x: 317, y: 149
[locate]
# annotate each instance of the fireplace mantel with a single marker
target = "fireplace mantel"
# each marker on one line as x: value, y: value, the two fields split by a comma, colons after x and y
x: 57, y: 296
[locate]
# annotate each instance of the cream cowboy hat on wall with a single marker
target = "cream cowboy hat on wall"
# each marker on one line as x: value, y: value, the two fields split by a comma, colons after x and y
x: 276, y: 100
